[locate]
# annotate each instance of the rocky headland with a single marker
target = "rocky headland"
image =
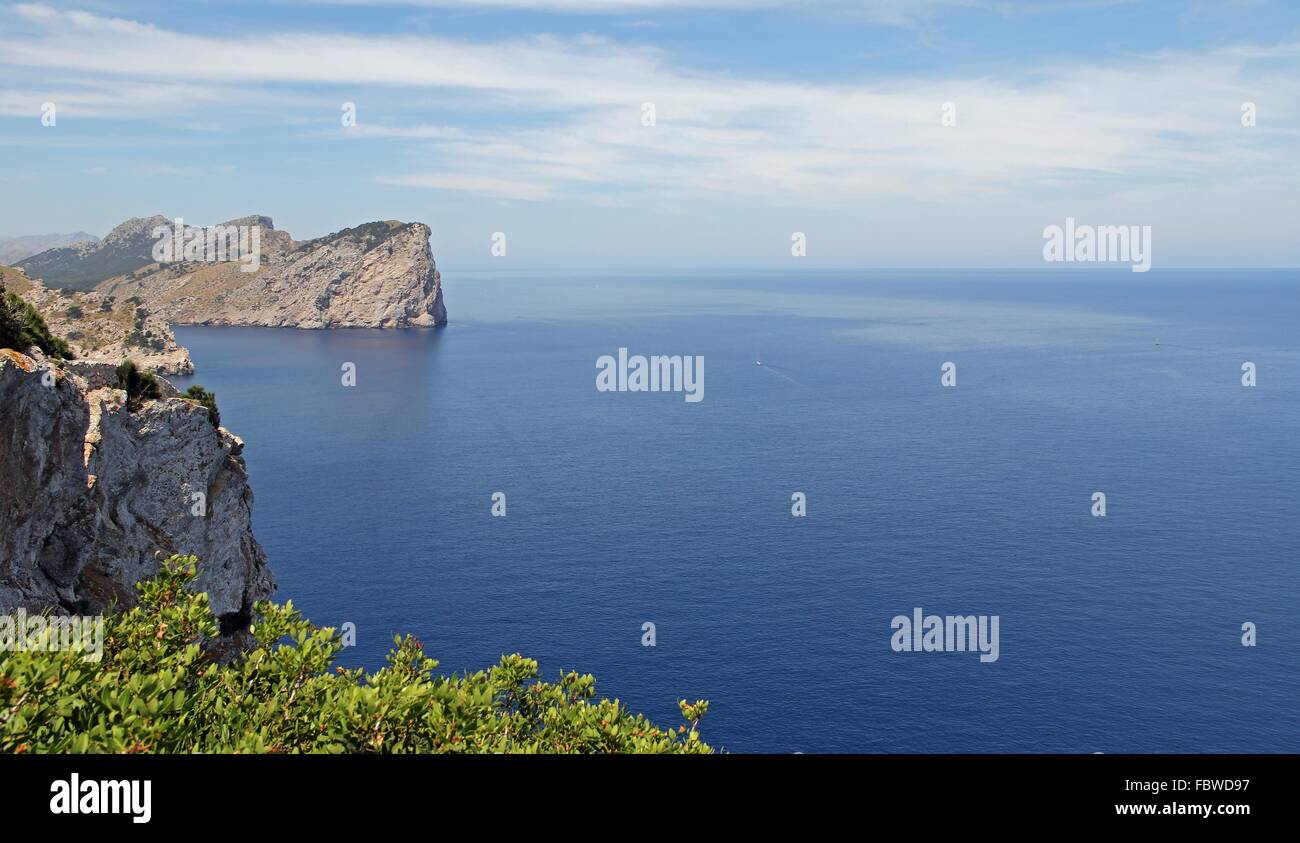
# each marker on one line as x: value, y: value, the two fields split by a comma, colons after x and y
x: 377, y: 275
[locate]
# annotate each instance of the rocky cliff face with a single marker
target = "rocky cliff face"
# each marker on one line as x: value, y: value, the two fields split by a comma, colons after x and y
x: 103, y: 329
x: 90, y: 491
x: 378, y: 275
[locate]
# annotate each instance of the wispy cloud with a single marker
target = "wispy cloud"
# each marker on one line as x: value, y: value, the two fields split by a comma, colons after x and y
x: 479, y: 185
x: 537, y: 117
x: 889, y: 12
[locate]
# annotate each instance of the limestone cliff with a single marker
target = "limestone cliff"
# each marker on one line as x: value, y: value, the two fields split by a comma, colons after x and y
x: 378, y: 275
x: 90, y: 491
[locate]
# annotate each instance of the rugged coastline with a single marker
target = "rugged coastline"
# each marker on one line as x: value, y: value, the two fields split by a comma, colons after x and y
x: 94, y: 482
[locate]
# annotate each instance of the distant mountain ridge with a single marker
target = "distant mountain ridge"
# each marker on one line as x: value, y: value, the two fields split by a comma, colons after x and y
x: 375, y: 275
x: 80, y: 266
x: 14, y: 249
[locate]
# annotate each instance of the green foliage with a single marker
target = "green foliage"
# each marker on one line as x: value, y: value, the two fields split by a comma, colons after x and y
x: 368, y: 235
x: 140, y: 338
x: 207, y: 399
x: 140, y: 385
x: 155, y: 689
x: 22, y: 327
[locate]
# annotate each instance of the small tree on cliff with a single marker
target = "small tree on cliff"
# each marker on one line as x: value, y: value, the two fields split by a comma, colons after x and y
x: 206, y: 398
x: 139, y: 385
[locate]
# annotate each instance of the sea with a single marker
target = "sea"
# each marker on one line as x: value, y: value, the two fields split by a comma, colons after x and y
x: 946, y: 431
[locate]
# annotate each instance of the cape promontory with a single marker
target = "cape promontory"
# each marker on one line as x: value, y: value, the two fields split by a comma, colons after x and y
x: 377, y: 275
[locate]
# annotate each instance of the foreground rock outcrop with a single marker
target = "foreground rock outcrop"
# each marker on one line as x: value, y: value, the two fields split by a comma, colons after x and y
x: 90, y: 491
x: 377, y: 275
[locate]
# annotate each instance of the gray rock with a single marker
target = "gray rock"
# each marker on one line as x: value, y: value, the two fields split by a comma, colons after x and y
x: 377, y: 275
x: 90, y: 493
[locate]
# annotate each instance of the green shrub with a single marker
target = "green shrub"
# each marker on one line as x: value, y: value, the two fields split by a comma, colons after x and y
x: 22, y: 327
x: 143, y: 339
x: 207, y: 399
x: 140, y: 385
x: 156, y: 689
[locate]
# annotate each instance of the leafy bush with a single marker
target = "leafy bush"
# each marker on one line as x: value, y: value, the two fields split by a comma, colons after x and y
x: 207, y: 399
x: 140, y: 338
x: 75, y: 312
x: 22, y: 327
x: 156, y: 689
x: 140, y: 385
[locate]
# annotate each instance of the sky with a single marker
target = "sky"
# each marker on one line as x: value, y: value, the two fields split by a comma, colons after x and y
x: 929, y: 133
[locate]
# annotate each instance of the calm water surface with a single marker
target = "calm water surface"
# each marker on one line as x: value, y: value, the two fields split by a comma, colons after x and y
x: 1120, y: 634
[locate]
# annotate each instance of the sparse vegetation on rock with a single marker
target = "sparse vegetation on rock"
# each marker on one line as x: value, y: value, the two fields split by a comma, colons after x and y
x: 207, y: 399
x: 98, y: 330
x: 139, y: 385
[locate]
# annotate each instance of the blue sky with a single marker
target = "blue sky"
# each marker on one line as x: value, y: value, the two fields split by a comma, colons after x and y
x: 526, y: 117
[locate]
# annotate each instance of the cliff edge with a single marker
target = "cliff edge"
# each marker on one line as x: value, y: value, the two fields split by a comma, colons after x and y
x: 90, y: 491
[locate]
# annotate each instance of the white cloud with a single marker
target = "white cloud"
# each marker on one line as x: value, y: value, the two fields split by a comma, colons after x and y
x: 564, y: 115
x: 480, y: 185
x: 566, y: 6
x: 888, y: 12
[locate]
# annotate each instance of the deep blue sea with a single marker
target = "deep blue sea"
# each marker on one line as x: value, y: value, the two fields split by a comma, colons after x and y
x: 1117, y: 634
